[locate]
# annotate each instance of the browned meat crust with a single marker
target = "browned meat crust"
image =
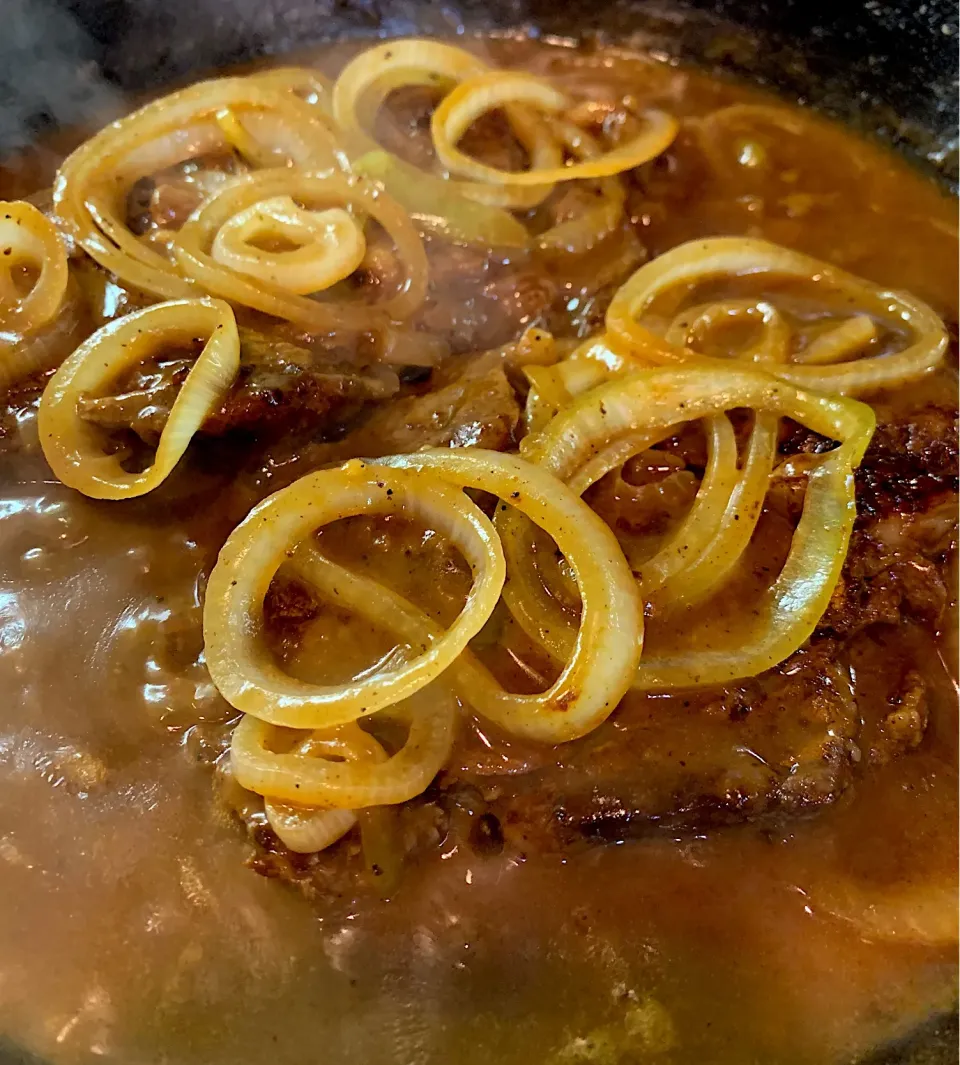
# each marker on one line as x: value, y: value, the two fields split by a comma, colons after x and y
x: 474, y: 304
x: 165, y: 200
x: 287, y: 607
x: 780, y: 744
x: 278, y: 385
x: 902, y: 727
x: 881, y: 585
x: 909, y: 464
x: 471, y: 404
x: 788, y: 742
x: 478, y: 408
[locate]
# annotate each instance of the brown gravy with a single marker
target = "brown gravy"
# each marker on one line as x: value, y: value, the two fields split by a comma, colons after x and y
x: 130, y: 929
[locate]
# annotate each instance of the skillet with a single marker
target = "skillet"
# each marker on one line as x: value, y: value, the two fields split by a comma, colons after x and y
x: 887, y: 68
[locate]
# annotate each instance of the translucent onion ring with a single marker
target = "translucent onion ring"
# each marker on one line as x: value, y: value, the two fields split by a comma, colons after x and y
x: 551, y: 387
x: 366, y: 81
x: 838, y: 343
x: 531, y: 716
x: 545, y: 397
x: 28, y: 238
x: 307, y: 83
x: 194, y: 244
x: 93, y: 181
x: 605, y: 650
x: 350, y: 785
x: 537, y: 610
x: 717, y: 132
x: 704, y: 260
x: 649, y: 399
x: 243, y: 142
x: 330, y: 245
x: 485, y: 92
x: 772, y: 347
x: 307, y: 829
x: 699, y: 529
x: 703, y: 573
x: 707, y: 570
x: 438, y: 208
x: 72, y: 446
x: 38, y: 350
x: 710, y: 540
x: 241, y: 666
x: 600, y: 219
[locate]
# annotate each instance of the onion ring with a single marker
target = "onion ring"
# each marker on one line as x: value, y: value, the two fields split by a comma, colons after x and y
x: 72, y: 446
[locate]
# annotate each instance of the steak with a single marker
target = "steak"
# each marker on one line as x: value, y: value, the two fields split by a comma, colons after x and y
x: 770, y: 749
x: 279, y: 385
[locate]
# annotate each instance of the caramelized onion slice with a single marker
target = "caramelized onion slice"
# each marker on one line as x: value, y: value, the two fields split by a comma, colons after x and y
x: 240, y: 664
x: 502, y: 88
x: 605, y: 650
x: 309, y: 84
x: 701, y: 261
x: 529, y: 595
x: 648, y: 400
x: 708, y: 568
x: 329, y: 245
x: 701, y: 527
x: 438, y: 208
x: 579, y: 234
x: 28, y: 238
x: 366, y: 82
x: 238, y: 208
x: 92, y: 183
x: 305, y: 829
x: 73, y: 447
x: 531, y: 716
x: 354, y: 783
x: 30, y: 329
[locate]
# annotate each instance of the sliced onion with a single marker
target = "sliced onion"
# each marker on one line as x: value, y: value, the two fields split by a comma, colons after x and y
x: 92, y: 183
x: 240, y: 664
x: 72, y: 446
x: 709, y: 568
x: 578, y: 235
x: 697, y: 262
x: 28, y: 238
x: 196, y: 243
x: 648, y: 400
x: 485, y: 92
x: 354, y: 783
x: 305, y: 830
x: 309, y: 84
x: 366, y: 82
x: 609, y: 641
x: 330, y: 245
x: 840, y: 342
x: 438, y: 208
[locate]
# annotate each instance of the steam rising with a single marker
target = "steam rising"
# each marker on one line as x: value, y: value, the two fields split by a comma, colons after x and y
x: 49, y: 76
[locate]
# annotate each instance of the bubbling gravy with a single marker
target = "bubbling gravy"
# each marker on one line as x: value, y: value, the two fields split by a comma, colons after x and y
x: 141, y: 921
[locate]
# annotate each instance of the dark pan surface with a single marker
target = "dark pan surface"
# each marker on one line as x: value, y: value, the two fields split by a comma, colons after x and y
x: 887, y: 66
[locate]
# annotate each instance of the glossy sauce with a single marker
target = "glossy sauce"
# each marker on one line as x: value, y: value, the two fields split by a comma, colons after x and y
x: 131, y: 930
